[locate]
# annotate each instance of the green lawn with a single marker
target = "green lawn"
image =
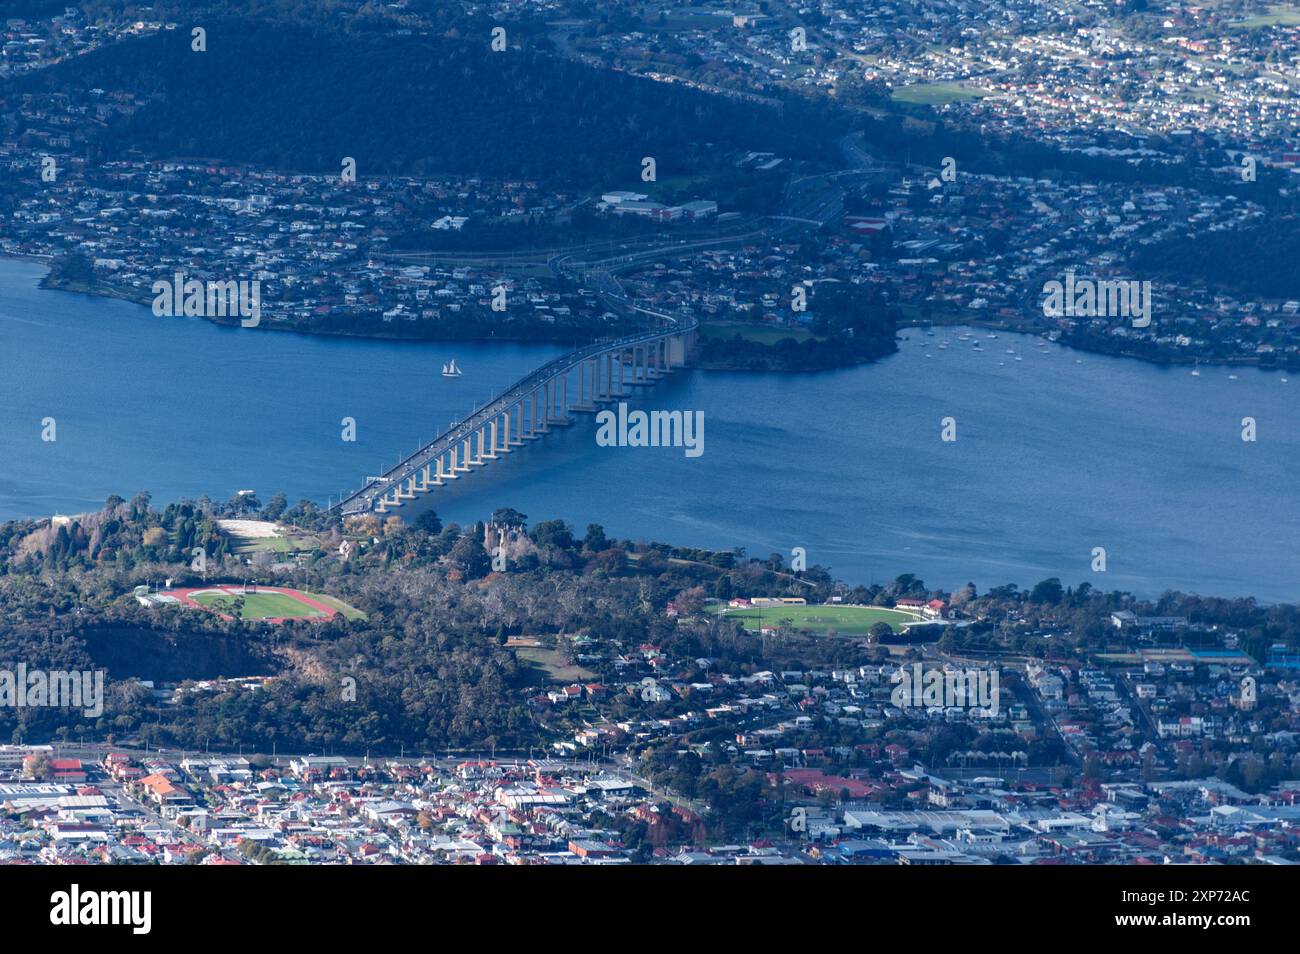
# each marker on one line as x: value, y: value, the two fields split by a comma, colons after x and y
x: 245, y: 546
x: 349, y: 612
x: 762, y: 333
x: 258, y: 605
x: 552, y: 662
x: 847, y: 620
x: 936, y: 94
x: 1278, y: 15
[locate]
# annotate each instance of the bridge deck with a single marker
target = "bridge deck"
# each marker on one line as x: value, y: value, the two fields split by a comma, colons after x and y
x: 363, y: 500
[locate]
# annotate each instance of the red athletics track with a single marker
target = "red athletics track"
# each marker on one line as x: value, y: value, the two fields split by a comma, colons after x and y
x: 237, y: 590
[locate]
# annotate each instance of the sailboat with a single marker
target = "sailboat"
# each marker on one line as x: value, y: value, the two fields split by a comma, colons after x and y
x: 450, y: 370
x: 1196, y: 371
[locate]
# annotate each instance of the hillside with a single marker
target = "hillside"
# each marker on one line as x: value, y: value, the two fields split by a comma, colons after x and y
x: 301, y: 98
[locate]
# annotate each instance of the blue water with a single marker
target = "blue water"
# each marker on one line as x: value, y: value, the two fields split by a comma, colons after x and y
x: 1055, y: 454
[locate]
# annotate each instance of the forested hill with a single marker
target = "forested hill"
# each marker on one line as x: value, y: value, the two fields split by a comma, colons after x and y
x: 301, y: 98
x: 1258, y: 260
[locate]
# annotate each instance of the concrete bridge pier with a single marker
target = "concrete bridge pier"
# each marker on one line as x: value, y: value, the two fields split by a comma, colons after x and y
x: 561, y: 417
x: 544, y: 422
x: 530, y: 416
x: 557, y: 401
x: 652, y: 362
x: 643, y: 363
x: 604, y: 374
x: 450, y: 472
x: 491, y: 428
x: 677, y: 351
x: 583, y: 405
x: 611, y: 394
x: 618, y: 389
x: 515, y: 440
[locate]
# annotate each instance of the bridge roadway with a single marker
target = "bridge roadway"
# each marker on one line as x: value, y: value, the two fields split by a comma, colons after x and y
x: 514, y: 416
x: 492, y: 429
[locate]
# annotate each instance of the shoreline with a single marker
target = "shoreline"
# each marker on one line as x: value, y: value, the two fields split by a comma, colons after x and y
x: 101, y: 290
x: 1163, y: 361
x: 849, y: 561
x: 105, y: 290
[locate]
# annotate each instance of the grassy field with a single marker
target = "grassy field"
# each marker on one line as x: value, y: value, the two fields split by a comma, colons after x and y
x: 846, y: 620
x: 936, y: 94
x: 552, y: 662
x: 763, y: 334
x: 1278, y: 15
x: 349, y: 612
x: 251, y: 536
x: 259, y: 605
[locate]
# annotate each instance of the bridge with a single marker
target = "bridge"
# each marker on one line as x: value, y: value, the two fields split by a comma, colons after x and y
x: 605, y: 371
x: 527, y: 410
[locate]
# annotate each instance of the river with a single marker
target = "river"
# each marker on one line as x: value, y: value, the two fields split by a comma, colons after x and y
x: 1056, y: 454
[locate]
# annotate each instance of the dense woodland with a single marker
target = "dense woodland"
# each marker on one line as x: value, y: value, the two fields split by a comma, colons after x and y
x: 430, y: 659
x: 850, y: 325
x: 292, y: 84
x: 294, y: 97
x: 1259, y: 262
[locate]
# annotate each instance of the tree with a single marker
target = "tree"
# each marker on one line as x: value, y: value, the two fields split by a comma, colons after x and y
x: 1048, y: 591
x: 907, y: 583
x: 243, y: 503
x: 948, y: 642
x: 595, y: 540
x: 428, y: 522
x: 75, y: 267
x: 553, y: 533
x: 38, y: 767
x: 470, y: 558
x: 509, y: 517
x: 275, y: 507
x: 690, y: 602
x: 610, y: 562
x: 964, y: 595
